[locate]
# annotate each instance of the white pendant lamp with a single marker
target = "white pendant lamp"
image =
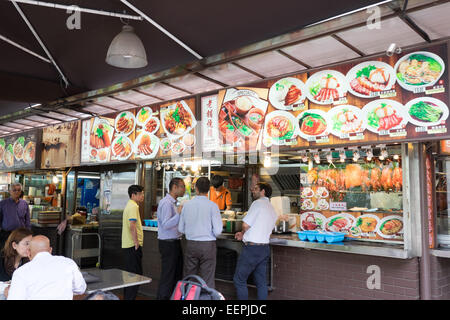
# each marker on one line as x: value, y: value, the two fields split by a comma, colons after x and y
x: 126, y: 50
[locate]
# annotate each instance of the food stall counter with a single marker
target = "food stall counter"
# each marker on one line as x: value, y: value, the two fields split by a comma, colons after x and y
x: 347, y: 246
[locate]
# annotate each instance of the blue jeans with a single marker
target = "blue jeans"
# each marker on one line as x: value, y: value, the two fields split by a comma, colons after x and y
x: 253, y: 258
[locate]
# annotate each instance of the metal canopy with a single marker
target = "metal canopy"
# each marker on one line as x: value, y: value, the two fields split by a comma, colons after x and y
x: 257, y: 43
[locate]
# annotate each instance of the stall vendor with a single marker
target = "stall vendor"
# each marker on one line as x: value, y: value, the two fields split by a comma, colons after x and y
x: 219, y: 194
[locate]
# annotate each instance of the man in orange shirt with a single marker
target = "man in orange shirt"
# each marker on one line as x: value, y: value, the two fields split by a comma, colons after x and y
x: 219, y: 194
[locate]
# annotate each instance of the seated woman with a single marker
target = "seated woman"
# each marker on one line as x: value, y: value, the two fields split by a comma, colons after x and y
x: 14, y: 253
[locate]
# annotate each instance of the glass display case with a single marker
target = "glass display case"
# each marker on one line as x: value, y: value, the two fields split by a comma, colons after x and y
x: 358, y: 192
x: 42, y: 191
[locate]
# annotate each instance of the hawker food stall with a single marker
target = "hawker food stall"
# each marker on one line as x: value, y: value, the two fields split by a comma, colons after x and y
x: 342, y: 147
x: 348, y: 150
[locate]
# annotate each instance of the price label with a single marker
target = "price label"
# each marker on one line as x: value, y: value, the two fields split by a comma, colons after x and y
x: 342, y: 100
x: 356, y: 136
x: 436, y: 89
x: 388, y: 94
x: 398, y: 133
x: 323, y: 139
x: 299, y: 107
x: 290, y: 142
x: 421, y: 129
x: 338, y: 206
x: 438, y: 129
x: 419, y: 90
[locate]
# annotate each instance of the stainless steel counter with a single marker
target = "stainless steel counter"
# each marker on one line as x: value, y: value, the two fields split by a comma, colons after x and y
x: 441, y: 252
x: 349, y: 246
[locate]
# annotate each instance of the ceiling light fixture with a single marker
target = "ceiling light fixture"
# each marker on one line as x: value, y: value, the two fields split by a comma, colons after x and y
x: 330, y: 157
x: 369, y: 155
x: 267, y: 161
x: 127, y: 50
x: 317, y: 158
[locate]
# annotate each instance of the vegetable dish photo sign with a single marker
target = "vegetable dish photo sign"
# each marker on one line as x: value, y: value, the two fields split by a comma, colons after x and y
x: 19, y: 151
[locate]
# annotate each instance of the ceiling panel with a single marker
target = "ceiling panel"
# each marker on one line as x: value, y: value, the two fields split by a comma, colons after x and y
x: 97, y: 109
x: 60, y: 116
x: 434, y: 21
x: 135, y: 97
x: 110, y: 103
x: 229, y: 74
x: 18, y: 126
x: 9, y: 129
x: 194, y: 84
x: 270, y: 64
x: 162, y: 91
x: 74, y: 113
x: 43, y: 119
x: 321, y: 51
x: 30, y: 123
x: 372, y: 41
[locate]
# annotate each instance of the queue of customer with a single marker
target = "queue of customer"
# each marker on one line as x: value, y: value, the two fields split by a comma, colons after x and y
x: 200, y: 221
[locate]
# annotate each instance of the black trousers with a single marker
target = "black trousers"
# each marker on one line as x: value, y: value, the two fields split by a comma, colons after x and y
x: 133, y: 263
x: 3, y: 237
x: 171, y: 267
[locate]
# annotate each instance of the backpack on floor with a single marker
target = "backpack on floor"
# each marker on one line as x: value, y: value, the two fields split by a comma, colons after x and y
x: 193, y: 287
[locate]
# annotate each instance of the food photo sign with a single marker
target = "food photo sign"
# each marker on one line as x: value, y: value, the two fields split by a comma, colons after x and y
x: 385, y: 99
x: 239, y: 115
x: 403, y: 97
x: 177, y: 128
x: 19, y: 151
x: 143, y: 133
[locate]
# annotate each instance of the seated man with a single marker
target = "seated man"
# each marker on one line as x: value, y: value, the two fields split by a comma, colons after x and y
x: 46, y: 277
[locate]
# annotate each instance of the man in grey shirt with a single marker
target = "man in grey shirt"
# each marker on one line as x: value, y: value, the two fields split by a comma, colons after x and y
x: 201, y: 223
x: 169, y: 239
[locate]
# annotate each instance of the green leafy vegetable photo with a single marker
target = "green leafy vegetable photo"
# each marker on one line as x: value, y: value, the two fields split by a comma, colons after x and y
x: 425, y: 111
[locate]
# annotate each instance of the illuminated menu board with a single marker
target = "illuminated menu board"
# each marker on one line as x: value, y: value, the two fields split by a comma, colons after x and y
x: 384, y: 99
x: 18, y: 152
x: 141, y: 134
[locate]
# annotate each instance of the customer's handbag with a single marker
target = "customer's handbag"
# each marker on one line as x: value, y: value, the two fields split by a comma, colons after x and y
x: 193, y: 287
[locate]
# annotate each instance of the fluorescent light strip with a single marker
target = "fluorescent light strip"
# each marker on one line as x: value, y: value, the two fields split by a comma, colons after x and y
x: 347, y: 13
x: 76, y: 8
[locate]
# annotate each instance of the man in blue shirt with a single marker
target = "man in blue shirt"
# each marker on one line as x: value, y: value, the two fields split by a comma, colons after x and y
x: 14, y: 213
x: 169, y: 239
x: 201, y: 223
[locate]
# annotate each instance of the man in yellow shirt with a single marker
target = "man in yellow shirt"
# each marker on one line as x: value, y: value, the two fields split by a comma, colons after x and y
x: 219, y: 194
x: 132, y: 237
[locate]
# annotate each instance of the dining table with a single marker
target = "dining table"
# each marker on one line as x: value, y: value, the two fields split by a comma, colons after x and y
x: 111, y: 279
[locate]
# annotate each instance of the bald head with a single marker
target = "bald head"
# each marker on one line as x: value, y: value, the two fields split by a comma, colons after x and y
x: 38, y: 244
